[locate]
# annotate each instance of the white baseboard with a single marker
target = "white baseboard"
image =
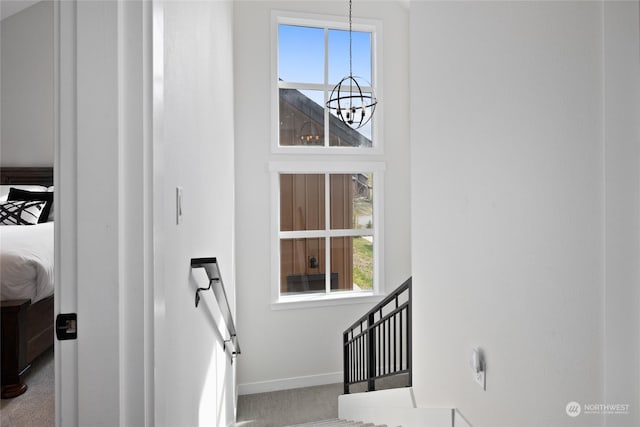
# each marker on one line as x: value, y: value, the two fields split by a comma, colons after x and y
x: 289, y: 383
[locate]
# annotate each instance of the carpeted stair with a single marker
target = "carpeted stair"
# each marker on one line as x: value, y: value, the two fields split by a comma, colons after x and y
x: 337, y: 423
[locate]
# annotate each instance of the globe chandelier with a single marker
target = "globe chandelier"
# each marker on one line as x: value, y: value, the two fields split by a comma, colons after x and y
x: 353, y: 107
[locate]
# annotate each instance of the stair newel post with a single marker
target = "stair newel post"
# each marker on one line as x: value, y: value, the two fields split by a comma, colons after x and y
x: 345, y: 361
x: 409, y: 336
x: 371, y: 353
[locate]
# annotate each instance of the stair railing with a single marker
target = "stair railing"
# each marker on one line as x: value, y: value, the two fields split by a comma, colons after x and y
x: 210, y: 265
x: 378, y: 345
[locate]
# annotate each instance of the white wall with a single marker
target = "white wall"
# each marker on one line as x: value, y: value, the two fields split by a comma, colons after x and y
x: 194, y: 149
x: 305, y: 344
x: 27, y: 87
x: 507, y: 208
x: 622, y: 178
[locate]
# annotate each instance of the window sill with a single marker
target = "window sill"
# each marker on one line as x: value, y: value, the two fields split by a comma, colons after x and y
x: 376, y: 150
x: 312, y: 301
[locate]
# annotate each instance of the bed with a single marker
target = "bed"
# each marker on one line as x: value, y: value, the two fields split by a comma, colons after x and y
x: 26, y: 315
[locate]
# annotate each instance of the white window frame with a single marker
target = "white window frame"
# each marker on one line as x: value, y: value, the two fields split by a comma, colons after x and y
x: 330, y: 22
x: 320, y: 167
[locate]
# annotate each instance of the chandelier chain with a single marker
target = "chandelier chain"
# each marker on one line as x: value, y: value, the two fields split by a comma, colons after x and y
x: 350, y: 43
x: 353, y: 107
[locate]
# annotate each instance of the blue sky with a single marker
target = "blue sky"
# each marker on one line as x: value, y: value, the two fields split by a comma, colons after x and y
x: 301, y: 58
x: 301, y: 54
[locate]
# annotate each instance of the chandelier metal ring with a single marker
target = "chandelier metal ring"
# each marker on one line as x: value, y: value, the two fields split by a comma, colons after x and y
x: 353, y: 106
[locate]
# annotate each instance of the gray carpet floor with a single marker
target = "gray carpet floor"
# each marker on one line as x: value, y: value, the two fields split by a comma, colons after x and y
x: 36, y: 407
x: 288, y: 407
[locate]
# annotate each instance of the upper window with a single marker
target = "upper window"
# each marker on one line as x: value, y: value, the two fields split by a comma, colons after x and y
x: 312, y: 56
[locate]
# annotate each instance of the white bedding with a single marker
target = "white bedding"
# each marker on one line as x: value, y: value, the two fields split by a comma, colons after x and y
x: 26, y: 261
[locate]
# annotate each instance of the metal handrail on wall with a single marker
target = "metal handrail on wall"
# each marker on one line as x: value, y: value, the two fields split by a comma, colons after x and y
x: 378, y: 345
x: 215, y: 284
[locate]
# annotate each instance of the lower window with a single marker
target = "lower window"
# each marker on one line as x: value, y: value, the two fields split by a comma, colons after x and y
x: 327, y: 233
x: 303, y: 265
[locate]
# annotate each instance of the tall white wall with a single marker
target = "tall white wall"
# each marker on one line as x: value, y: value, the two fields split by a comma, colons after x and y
x: 26, y: 87
x: 622, y: 180
x: 194, y: 149
x: 304, y: 345
x: 507, y: 208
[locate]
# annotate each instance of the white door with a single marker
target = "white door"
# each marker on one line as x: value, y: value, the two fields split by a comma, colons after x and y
x: 103, y: 240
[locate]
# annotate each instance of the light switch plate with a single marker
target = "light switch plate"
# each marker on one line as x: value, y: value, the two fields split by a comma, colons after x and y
x: 178, y: 205
x: 481, y: 379
x: 479, y: 367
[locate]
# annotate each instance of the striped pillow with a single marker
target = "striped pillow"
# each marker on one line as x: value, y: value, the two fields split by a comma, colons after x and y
x: 20, y: 212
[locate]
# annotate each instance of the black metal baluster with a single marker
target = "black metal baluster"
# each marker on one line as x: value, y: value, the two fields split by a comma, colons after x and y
x: 353, y: 359
x: 367, y: 362
x: 362, y: 358
x: 345, y: 362
x: 385, y: 346
x: 388, y: 325
x: 409, y: 339
x: 395, y: 338
x: 371, y: 353
x: 361, y: 350
x: 359, y: 359
x: 378, y: 370
x: 401, y: 343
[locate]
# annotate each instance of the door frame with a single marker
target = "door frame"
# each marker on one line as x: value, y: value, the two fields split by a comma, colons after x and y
x: 65, y: 300
x: 104, y: 258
